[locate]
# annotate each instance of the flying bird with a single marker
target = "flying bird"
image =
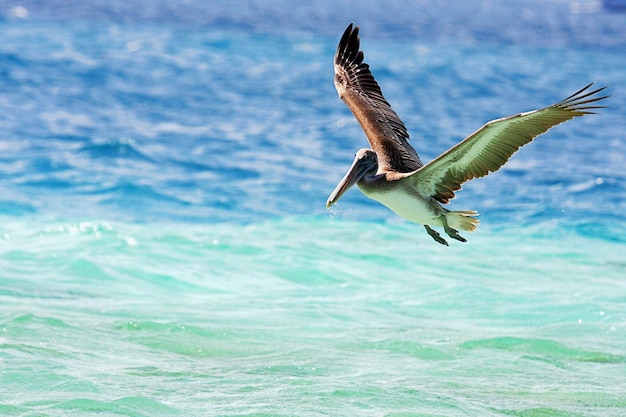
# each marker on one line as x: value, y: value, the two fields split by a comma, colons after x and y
x: 392, y: 173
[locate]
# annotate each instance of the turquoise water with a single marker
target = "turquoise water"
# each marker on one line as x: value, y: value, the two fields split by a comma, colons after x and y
x: 291, y: 317
x: 165, y: 250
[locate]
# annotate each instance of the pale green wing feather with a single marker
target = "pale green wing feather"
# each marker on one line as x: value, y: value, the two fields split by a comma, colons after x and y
x: 491, y: 146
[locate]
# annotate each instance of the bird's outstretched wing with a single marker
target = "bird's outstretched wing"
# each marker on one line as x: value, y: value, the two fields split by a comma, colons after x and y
x: 357, y: 87
x: 492, y: 145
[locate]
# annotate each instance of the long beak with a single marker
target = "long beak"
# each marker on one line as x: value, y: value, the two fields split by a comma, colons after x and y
x: 359, y: 167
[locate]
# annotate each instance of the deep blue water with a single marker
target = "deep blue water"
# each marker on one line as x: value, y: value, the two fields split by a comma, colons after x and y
x: 165, y: 249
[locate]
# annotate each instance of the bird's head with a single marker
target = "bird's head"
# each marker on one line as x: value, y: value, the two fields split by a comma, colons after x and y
x: 365, y: 161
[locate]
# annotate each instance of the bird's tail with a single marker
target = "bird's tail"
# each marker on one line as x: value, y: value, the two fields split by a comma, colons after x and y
x: 463, y: 220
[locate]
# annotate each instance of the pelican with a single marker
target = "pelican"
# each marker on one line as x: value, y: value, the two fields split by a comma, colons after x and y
x: 392, y: 173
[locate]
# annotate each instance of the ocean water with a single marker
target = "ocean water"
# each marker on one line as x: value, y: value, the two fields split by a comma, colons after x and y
x: 165, y: 249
